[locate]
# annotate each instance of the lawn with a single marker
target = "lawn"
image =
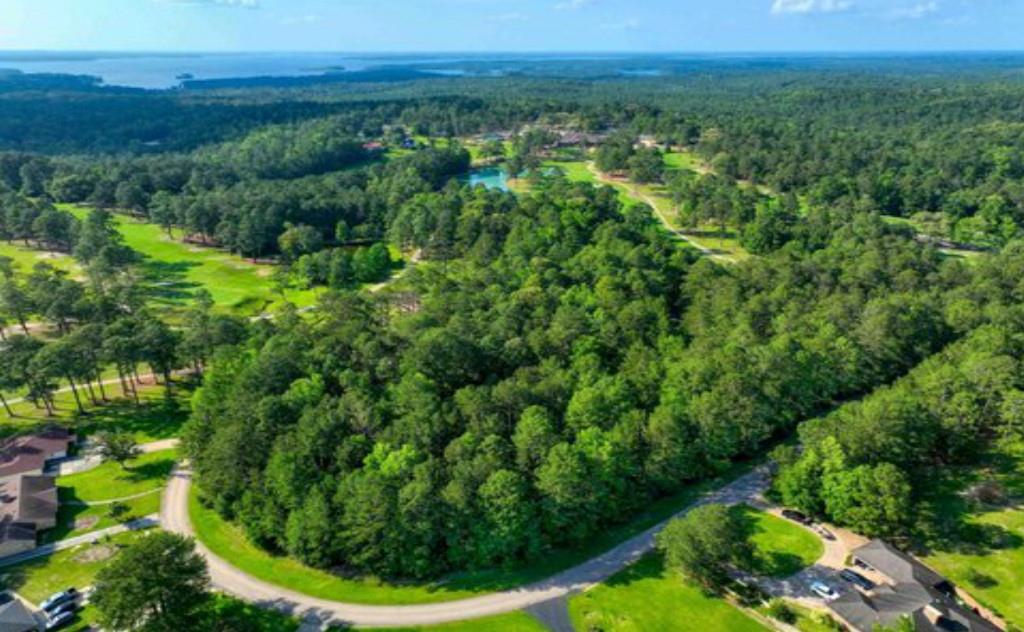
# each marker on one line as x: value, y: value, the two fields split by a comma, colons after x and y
x: 808, y: 620
x: 76, y: 520
x: 647, y: 596
x: 175, y: 270
x: 978, y: 546
x: 39, y: 578
x: 512, y: 622
x: 229, y: 542
x: 26, y: 257
x: 109, y: 481
x: 156, y: 417
x: 781, y: 548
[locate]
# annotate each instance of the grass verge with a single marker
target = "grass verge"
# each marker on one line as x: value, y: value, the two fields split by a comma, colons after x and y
x: 648, y: 596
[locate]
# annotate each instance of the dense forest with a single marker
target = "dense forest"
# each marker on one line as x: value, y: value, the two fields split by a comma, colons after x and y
x: 558, y: 361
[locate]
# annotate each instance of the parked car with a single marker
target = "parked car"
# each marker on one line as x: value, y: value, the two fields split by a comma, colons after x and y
x: 825, y: 533
x: 60, y: 621
x: 824, y: 591
x: 67, y: 606
x: 795, y: 516
x: 57, y: 599
x: 856, y: 578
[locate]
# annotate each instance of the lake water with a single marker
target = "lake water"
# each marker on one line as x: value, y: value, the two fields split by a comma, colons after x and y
x: 161, y: 71
x: 490, y: 177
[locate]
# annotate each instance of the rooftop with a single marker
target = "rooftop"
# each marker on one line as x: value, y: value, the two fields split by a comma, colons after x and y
x: 28, y: 499
x: 29, y: 453
x: 916, y: 591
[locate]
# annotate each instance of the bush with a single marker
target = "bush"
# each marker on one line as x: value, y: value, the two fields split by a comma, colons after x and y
x: 780, y: 610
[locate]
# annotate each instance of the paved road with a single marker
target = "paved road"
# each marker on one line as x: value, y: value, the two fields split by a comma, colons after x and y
x: 174, y: 517
x: 48, y: 549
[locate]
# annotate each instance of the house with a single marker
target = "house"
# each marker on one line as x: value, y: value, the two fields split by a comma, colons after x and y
x: 906, y: 588
x: 409, y: 143
x: 29, y: 454
x: 373, y: 147
x: 14, y: 615
x: 28, y: 505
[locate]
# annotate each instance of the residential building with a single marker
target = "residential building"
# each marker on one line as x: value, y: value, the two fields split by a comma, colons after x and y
x: 29, y: 454
x: 15, y: 616
x: 906, y: 589
x: 28, y: 505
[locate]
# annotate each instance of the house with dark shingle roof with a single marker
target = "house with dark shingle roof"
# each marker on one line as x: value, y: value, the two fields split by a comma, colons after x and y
x: 28, y: 504
x: 911, y: 590
x: 29, y: 454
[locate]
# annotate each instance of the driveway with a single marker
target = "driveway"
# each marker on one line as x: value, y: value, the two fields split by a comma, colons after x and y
x: 174, y: 517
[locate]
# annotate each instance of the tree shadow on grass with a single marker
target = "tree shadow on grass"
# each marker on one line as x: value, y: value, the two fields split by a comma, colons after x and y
x: 766, y: 563
x: 948, y: 517
x: 650, y: 566
x: 159, y: 419
x: 166, y: 281
x: 153, y: 470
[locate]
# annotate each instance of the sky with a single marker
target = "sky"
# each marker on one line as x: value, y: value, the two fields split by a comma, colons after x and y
x: 512, y: 25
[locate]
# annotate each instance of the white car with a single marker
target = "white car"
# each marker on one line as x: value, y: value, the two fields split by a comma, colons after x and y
x: 824, y: 591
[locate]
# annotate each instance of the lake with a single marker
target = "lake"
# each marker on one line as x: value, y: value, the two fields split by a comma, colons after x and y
x: 166, y: 70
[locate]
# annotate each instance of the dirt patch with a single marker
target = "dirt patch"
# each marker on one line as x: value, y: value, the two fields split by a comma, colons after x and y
x: 86, y: 523
x: 97, y: 553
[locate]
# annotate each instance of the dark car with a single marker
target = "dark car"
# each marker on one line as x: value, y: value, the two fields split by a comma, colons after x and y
x: 67, y: 606
x: 854, y: 577
x: 60, y: 621
x: 60, y: 598
x: 795, y: 516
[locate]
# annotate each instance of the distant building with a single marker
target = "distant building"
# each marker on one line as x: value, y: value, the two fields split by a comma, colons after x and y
x: 373, y: 147
x: 29, y: 454
x: 409, y: 143
x: 908, y: 589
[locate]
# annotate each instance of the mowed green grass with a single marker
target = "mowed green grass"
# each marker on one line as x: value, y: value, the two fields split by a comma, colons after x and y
x: 176, y: 270
x: 981, y: 548
x: 77, y: 567
x: 25, y: 258
x: 648, y: 596
x: 781, y: 548
x: 99, y: 517
x: 156, y: 417
x: 512, y: 622
x: 109, y: 481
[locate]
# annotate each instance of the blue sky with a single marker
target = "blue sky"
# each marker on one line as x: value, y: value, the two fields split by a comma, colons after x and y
x: 512, y: 25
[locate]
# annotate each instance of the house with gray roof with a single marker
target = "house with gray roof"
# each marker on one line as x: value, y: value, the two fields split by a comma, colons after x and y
x: 14, y: 616
x: 909, y: 590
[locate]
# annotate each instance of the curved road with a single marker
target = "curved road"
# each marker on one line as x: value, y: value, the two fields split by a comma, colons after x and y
x: 174, y: 517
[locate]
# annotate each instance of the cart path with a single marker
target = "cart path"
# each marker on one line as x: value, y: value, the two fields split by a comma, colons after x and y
x: 174, y: 517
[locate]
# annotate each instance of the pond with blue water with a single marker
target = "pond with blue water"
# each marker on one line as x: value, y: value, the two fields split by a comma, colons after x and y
x: 490, y: 177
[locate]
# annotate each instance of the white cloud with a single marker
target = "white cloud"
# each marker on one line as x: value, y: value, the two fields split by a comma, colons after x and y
x: 572, y: 5
x: 916, y: 11
x: 811, y: 6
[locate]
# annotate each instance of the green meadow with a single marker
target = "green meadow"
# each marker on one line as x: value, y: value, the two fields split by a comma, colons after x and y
x: 649, y: 596
x: 175, y: 270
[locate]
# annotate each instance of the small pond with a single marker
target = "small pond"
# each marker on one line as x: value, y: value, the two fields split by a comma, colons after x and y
x: 490, y: 177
